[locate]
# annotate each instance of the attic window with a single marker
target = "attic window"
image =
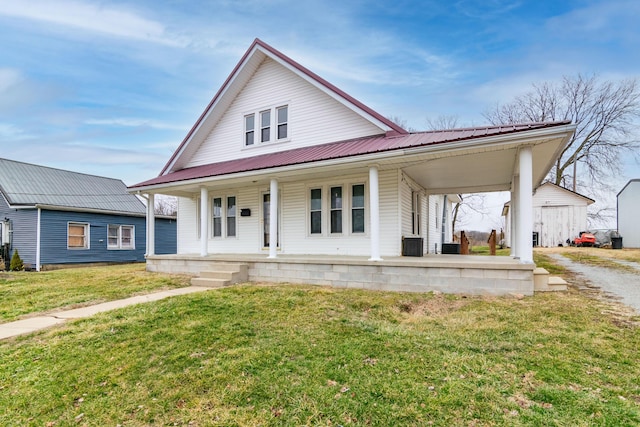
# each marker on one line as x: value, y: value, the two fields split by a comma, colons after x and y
x: 270, y: 124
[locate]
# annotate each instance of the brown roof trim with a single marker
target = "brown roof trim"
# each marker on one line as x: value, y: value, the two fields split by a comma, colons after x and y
x: 396, y: 129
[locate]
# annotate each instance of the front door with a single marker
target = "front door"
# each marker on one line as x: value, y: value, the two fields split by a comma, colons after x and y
x: 266, y: 220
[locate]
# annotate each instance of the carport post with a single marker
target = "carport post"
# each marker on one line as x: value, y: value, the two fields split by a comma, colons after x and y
x: 525, y: 202
x: 514, y: 216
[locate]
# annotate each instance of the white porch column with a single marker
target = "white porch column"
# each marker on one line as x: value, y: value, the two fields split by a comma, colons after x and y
x: 525, y: 202
x: 374, y: 206
x: 514, y: 216
x: 151, y: 225
x: 273, y: 218
x: 204, y: 222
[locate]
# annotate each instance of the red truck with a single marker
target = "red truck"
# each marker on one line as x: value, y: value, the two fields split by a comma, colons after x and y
x: 585, y: 239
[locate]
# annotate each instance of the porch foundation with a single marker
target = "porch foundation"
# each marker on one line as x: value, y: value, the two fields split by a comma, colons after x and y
x: 455, y: 274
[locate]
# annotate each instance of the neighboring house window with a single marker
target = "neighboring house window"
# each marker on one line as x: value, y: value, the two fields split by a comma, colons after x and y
x: 316, y: 211
x: 336, y: 209
x: 357, y: 208
x: 231, y: 216
x: 217, y: 217
x: 270, y: 124
x: 249, y: 129
x: 120, y: 237
x: 283, y: 119
x: 77, y: 235
x: 415, y: 212
x: 265, y: 126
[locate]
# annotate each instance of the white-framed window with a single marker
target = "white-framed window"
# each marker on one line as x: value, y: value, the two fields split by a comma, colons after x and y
x: 224, y: 211
x: 336, y: 209
x: 315, y: 211
x: 216, y: 212
x: 231, y: 216
x: 271, y: 123
x: 357, y: 208
x: 120, y: 237
x: 438, y: 213
x: 249, y: 129
x: 77, y: 235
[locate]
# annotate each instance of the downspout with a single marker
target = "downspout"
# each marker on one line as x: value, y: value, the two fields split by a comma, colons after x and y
x: 444, y: 219
x: 38, y: 241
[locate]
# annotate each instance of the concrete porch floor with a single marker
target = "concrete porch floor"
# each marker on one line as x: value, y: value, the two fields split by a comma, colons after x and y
x: 465, y: 274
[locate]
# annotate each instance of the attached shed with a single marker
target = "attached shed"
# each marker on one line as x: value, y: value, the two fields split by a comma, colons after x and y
x: 628, y: 207
x: 53, y: 216
x: 558, y: 214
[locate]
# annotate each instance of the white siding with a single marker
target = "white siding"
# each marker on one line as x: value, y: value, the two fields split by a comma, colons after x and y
x: 628, y: 209
x: 314, y: 117
x: 434, y: 217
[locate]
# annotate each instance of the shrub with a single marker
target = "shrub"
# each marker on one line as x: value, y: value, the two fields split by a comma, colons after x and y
x: 16, y: 262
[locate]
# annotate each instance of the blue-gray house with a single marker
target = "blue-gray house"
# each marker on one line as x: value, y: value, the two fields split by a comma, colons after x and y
x: 53, y: 216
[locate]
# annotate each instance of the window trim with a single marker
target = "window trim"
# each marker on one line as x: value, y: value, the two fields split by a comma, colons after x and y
x: 86, y: 235
x: 352, y: 208
x: 273, y: 125
x: 224, y: 232
x: 119, y: 246
x: 347, y: 207
x: 234, y: 216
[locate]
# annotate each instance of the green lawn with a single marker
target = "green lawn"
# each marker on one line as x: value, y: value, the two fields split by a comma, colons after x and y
x: 23, y: 292
x: 296, y: 355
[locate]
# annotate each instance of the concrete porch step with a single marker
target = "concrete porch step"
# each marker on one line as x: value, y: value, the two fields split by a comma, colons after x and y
x: 222, y: 274
x: 557, y: 284
x: 542, y: 282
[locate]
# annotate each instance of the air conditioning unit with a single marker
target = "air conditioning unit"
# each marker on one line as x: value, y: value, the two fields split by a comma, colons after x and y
x: 412, y: 246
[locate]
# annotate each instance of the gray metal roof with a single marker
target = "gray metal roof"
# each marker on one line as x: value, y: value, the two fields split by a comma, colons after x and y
x: 24, y: 184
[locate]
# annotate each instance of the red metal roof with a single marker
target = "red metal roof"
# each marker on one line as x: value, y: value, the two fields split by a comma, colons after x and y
x: 341, y: 149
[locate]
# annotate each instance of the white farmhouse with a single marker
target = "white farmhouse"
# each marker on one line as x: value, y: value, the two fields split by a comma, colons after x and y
x: 628, y: 208
x: 284, y: 177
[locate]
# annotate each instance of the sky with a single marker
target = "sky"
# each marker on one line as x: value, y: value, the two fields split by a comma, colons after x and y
x: 112, y: 87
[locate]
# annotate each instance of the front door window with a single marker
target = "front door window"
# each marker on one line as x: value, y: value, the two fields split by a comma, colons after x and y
x: 266, y: 220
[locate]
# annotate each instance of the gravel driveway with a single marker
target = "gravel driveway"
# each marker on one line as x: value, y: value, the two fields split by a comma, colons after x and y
x: 620, y: 285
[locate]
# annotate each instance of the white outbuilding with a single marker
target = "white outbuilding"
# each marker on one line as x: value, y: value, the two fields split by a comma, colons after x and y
x: 628, y: 208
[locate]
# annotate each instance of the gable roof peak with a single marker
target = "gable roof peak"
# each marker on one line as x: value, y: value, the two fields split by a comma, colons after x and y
x: 233, y: 84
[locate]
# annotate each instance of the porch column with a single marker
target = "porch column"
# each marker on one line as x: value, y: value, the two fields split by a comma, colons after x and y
x: 273, y: 219
x: 374, y: 206
x: 204, y: 222
x: 514, y: 217
x: 525, y: 202
x: 151, y: 225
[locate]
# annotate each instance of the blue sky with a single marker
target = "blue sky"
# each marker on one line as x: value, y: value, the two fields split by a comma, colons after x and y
x: 111, y: 88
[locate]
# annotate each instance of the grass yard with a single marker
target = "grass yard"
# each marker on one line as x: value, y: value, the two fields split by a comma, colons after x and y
x: 295, y: 355
x: 23, y: 293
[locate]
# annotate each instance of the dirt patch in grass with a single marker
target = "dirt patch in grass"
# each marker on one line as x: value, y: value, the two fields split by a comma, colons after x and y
x: 438, y: 306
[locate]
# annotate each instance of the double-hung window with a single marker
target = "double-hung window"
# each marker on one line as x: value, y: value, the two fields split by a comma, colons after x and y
x: 316, y: 211
x: 416, y: 208
x: 357, y: 208
x: 77, y: 235
x: 336, y: 209
x: 120, y: 237
x: 231, y: 216
x: 217, y: 216
x: 266, y: 125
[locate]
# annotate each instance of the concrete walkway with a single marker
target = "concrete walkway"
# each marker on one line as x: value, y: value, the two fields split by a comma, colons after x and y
x: 25, y: 326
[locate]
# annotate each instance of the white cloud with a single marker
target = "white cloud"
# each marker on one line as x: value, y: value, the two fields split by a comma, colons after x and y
x: 133, y: 122
x: 8, y: 78
x: 91, y: 17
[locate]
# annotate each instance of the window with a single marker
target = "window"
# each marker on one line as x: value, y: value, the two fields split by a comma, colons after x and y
x: 120, y: 237
x: 283, y: 113
x: 265, y: 126
x: 336, y: 209
x: 272, y: 125
x: 415, y: 212
x: 217, y: 217
x: 231, y: 216
x: 77, y: 236
x: 357, y: 208
x: 249, y: 128
x: 316, y: 211
x: 438, y: 213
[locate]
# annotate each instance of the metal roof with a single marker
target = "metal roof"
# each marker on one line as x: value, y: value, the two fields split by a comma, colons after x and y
x: 342, y: 149
x: 25, y: 184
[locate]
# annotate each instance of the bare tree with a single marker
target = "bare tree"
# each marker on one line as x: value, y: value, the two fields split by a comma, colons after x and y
x: 401, y: 122
x: 604, y: 113
x: 165, y: 205
x: 468, y: 205
x: 442, y: 122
